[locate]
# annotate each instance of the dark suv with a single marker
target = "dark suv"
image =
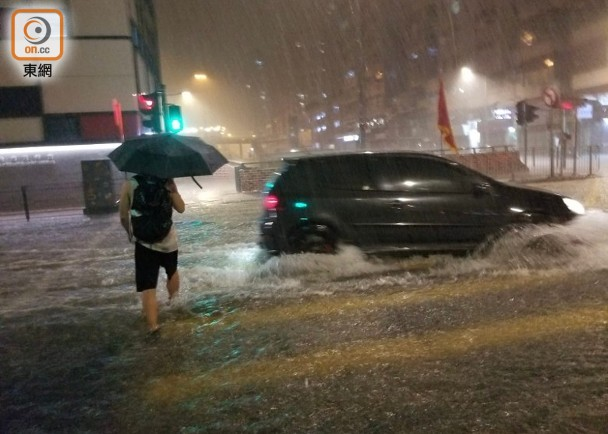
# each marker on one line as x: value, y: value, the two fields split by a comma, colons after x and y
x: 395, y: 202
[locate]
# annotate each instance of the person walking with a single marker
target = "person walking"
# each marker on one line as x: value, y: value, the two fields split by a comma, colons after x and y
x: 146, y: 206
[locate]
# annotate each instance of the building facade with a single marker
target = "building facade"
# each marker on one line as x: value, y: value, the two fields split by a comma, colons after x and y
x: 110, y: 55
x: 378, y: 84
x: 511, y: 53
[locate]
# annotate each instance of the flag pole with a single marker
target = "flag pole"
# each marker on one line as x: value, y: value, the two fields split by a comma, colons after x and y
x: 440, y: 77
x: 443, y: 120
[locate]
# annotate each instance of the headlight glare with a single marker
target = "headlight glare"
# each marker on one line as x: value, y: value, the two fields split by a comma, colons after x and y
x: 574, y: 205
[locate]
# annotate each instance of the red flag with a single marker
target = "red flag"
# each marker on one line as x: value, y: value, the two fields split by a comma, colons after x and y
x: 443, y: 120
x: 117, y: 109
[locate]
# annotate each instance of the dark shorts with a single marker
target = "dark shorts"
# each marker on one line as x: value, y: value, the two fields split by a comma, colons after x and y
x: 147, y: 266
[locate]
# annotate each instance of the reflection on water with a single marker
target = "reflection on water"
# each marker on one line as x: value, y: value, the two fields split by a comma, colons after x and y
x: 84, y: 261
x: 70, y: 327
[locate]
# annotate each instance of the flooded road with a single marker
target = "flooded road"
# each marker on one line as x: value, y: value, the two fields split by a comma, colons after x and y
x: 511, y: 341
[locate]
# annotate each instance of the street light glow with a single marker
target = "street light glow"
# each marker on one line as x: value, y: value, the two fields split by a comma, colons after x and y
x: 467, y: 74
x: 200, y: 76
x: 187, y: 96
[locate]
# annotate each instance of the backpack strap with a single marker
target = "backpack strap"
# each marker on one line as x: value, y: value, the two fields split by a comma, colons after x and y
x: 133, y: 183
x: 132, y: 186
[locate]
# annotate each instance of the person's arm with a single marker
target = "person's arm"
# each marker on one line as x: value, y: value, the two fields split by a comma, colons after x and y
x: 124, y: 206
x: 176, y: 199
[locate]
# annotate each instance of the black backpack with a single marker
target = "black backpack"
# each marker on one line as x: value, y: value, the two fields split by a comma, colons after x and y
x: 152, y: 220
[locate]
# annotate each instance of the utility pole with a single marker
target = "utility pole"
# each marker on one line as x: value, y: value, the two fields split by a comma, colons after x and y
x: 525, y: 136
x: 361, y: 77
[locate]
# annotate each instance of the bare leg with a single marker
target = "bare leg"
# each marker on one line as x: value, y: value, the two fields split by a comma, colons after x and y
x: 150, y: 306
x: 173, y: 285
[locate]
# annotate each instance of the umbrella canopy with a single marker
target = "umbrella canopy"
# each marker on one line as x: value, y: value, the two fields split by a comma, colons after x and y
x: 167, y: 156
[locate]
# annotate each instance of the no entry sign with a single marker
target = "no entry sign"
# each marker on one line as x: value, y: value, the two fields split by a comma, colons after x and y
x: 550, y: 97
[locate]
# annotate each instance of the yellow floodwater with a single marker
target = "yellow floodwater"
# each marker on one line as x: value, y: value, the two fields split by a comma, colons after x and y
x: 336, y: 305
x: 321, y: 362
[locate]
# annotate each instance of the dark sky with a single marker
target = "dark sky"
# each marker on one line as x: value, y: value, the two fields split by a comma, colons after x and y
x: 227, y: 39
x: 202, y: 36
x: 250, y: 48
x: 222, y: 38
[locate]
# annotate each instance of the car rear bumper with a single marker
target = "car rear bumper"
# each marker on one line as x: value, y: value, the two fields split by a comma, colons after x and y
x: 271, y: 237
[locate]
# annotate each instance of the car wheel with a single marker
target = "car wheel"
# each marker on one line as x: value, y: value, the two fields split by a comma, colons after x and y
x: 490, y: 242
x: 314, y: 239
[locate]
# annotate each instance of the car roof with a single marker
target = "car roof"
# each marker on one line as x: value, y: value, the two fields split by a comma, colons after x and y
x: 336, y: 155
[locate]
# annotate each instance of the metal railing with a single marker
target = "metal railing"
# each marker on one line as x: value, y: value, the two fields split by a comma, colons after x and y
x: 29, y: 200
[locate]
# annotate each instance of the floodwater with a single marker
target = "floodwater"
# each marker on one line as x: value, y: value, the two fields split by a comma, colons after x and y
x: 74, y: 355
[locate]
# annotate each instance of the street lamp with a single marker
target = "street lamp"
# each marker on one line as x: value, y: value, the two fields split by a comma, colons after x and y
x: 187, y: 96
x: 467, y: 74
x: 194, y: 110
x: 471, y: 78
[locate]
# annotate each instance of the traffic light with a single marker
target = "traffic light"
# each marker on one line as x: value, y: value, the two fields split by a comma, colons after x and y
x: 531, y: 114
x: 175, y: 121
x: 526, y: 113
x: 150, y: 110
x: 521, y: 112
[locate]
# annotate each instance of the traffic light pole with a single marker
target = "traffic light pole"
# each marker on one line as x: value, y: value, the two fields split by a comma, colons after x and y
x: 163, y: 98
x: 563, y: 144
x: 575, y: 148
x: 525, y: 136
x: 169, y: 114
x: 551, y: 146
x: 526, y: 113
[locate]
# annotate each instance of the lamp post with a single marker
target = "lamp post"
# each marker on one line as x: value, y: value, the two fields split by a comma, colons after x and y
x: 361, y: 83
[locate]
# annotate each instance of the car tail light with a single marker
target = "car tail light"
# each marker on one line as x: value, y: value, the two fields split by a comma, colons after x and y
x: 271, y: 202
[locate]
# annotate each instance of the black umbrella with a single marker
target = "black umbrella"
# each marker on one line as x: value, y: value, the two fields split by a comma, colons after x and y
x: 167, y: 156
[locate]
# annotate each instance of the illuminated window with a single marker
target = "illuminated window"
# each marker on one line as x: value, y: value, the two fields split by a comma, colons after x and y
x: 527, y: 38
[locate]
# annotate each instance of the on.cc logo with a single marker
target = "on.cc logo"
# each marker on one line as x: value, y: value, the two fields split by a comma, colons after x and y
x: 37, y: 30
x: 37, y: 34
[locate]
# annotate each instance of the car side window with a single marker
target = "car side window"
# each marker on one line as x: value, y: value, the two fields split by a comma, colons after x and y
x: 417, y: 175
x: 342, y: 173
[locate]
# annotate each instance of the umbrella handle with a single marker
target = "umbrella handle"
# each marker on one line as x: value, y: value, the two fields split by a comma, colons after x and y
x: 196, y: 182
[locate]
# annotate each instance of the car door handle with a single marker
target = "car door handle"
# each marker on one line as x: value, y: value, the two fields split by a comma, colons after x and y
x: 396, y: 204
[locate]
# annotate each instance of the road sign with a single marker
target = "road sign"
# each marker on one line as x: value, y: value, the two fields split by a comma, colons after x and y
x: 551, y: 97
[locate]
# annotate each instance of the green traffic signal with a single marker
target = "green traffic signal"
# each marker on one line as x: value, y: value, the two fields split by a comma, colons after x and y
x: 175, y: 121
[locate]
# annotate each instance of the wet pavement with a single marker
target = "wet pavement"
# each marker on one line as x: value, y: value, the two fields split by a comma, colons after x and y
x: 511, y: 342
